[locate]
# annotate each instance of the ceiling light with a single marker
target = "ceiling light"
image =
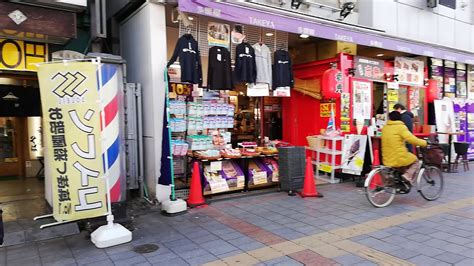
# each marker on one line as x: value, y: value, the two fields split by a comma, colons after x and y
x: 379, y: 55
x: 190, y: 18
x: 304, y: 36
x: 269, y: 34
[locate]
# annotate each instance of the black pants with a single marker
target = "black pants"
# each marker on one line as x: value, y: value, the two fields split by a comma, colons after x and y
x: 1, y: 227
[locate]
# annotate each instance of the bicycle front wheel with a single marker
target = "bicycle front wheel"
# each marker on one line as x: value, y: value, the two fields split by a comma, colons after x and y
x: 430, y: 183
x: 379, y: 193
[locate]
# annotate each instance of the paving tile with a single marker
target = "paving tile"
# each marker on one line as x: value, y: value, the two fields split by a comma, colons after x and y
x: 162, y: 258
x: 404, y: 253
x: 131, y: 261
x: 29, y: 261
x: 424, y: 260
x: 465, y: 262
x: 418, y: 237
x: 218, y: 247
x: 172, y: 262
x: 282, y: 261
x: 106, y: 262
x: 459, y: 240
x: 450, y: 257
x: 348, y: 259
x: 200, y: 260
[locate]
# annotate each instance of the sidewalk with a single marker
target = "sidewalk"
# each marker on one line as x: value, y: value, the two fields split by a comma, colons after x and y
x: 274, y: 229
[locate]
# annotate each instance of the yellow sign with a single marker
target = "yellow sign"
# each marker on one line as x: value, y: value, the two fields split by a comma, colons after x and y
x: 22, y: 55
x: 325, y: 168
x: 72, y: 137
x: 325, y: 109
x: 392, y: 95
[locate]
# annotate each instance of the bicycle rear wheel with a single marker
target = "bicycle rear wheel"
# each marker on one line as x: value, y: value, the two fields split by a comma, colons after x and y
x: 430, y: 183
x: 378, y: 192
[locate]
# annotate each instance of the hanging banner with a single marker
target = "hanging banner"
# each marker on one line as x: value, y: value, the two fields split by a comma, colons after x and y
x: 409, y: 71
x: 35, y: 137
x: 72, y: 136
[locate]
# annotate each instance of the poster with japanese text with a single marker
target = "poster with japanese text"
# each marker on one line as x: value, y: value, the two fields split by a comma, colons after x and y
x: 72, y: 136
x: 361, y: 100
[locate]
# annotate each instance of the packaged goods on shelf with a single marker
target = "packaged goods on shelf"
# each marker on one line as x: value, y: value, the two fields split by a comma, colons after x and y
x: 230, y: 177
x: 177, y: 125
x: 207, y: 108
x: 177, y: 107
x: 272, y: 164
x: 233, y: 174
x: 259, y: 173
x: 179, y: 147
x: 195, y: 123
x: 199, y: 142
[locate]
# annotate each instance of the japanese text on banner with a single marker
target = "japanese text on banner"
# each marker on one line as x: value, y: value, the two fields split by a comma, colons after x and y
x: 69, y: 96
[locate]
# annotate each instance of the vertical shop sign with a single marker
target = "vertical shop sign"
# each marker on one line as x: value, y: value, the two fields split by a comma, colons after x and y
x: 437, y: 73
x: 470, y: 82
x: 218, y: 34
x: 369, y: 68
x: 410, y: 71
x: 449, y: 79
x: 461, y: 80
x: 35, y: 137
x: 345, y: 112
x: 362, y: 99
x: 70, y: 98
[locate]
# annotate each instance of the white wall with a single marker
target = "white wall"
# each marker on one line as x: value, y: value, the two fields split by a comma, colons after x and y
x: 143, y: 46
x: 411, y: 19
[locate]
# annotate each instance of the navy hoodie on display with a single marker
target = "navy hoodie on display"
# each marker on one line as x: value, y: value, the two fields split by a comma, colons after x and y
x: 219, y: 72
x: 282, y: 69
x: 245, y: 65
x: 189, y: 59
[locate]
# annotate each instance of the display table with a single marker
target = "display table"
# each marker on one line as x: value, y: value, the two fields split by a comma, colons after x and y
x: 243, y: 162
x: 450, y: 142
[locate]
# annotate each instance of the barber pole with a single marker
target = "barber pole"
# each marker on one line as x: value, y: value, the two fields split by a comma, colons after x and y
x: 109, y: 93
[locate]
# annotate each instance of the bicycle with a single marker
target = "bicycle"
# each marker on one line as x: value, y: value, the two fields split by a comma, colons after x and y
x: 385, y: 182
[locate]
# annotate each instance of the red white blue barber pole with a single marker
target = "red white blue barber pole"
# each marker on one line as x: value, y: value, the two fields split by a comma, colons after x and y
x: 109, y: 93
x: 111, y: 234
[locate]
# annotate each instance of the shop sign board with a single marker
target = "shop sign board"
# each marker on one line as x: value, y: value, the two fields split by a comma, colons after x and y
x: 410, y: 71
x: 72, y: 135
x: 325, y: 168
x: 392, y: 95
x: 445, y: 121
x: 369, y: 68
x: 21, y: 55
x: 325, y: 109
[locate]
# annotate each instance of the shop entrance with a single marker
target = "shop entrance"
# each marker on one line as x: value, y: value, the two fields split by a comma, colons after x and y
x: 21, y: 161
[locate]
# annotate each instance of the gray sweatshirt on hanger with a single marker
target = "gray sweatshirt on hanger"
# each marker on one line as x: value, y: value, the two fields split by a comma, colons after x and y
x: 263, y: 60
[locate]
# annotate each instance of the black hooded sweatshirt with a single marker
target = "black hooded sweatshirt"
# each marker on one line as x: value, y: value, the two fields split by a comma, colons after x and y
x: 282, y: 69
x: 245, y: 65
x: 189, y: 59
x: 219, y: 73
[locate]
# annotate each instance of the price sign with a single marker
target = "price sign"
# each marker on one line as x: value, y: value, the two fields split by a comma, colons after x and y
x: 325, y: 168
x: 260, y: 178
x: 392, y: 95
x: 240, y: 181
x: 219, y: 186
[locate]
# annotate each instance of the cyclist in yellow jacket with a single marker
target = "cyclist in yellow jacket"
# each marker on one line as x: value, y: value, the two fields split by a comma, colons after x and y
x: 394, y: 152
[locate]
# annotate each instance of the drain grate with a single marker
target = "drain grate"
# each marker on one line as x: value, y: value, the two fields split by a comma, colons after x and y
x: 146, y: 248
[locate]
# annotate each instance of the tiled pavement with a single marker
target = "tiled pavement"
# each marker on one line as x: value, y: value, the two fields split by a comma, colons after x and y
x: 273, y: 229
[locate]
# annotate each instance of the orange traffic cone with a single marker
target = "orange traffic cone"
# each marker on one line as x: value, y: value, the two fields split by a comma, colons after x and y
x: 377, y: 180
x: 309, y: 188
x: 195, y: 198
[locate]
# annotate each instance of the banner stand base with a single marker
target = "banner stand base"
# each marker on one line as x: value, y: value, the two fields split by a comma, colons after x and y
x: 174, y: 207
x: 111, y: 234
x: 51, y: 224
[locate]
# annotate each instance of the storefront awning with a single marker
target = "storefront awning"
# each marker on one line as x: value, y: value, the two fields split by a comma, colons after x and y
x: 244, y: 15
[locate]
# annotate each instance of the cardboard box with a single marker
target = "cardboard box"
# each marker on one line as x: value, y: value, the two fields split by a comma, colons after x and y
x: 329, y: 49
